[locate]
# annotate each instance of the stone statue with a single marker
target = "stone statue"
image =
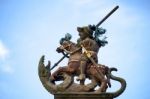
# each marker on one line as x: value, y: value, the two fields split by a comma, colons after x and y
x: 82, y: 63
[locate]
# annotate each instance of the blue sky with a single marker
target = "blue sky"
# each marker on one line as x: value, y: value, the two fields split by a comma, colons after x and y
x: 31, y: 28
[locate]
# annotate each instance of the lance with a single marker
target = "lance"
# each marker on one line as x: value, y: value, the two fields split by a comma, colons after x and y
x: 89, y: 55
x: 110, y: 13
x: 64, y: 55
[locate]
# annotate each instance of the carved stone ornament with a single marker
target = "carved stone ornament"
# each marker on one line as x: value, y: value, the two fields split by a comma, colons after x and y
x: 83, y: 64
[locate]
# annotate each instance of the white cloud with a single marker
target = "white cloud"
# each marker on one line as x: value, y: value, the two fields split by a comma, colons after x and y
x: 3, y: 51
x: 4, y: 66
x: 7, y: 69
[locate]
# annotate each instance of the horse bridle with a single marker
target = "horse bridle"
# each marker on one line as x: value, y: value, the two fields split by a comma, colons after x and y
x: 69, y: 46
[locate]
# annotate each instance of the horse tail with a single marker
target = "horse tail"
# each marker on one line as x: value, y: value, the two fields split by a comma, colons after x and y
x: 121, y: 80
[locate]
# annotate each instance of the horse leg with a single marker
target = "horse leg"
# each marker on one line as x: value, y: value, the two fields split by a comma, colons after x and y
x: 103, y: 86
x: 67, y: 69
x: 93, y: 83
x: 82, y: 82
x: 100, y: 80
x: 58, y: 71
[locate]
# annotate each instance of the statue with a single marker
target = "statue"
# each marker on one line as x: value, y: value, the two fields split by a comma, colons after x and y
x: 82, y: 63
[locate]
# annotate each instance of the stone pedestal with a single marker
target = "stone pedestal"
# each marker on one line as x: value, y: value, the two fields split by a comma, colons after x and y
x: 82, y: 95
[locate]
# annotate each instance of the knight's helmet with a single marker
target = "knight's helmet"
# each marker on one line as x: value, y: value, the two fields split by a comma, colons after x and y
x: 88, y: 30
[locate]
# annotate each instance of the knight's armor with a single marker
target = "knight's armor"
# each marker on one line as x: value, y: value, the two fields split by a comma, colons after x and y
x: 89, y: 43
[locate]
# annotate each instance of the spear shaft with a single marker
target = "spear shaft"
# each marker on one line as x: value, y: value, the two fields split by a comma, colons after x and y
x: 110, y: 13
x: 64, y: 55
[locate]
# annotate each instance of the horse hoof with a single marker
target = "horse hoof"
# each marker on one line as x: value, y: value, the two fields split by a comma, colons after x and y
x: 98, y: 91
x: 51, y: 78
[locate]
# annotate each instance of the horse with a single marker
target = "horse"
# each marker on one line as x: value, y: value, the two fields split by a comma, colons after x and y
x: 92, y: 72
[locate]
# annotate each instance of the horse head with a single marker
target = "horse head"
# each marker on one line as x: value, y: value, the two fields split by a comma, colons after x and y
x: 66, y: 46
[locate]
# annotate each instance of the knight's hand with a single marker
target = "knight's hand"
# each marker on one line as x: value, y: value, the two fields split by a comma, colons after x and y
x: 59, y: 50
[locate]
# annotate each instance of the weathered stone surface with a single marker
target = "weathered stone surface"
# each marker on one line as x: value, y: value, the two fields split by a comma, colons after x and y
x: 83, y: 64
x: 83, y: 95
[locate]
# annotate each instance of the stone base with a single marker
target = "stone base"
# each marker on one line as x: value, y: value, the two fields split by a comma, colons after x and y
x: 83, y: 95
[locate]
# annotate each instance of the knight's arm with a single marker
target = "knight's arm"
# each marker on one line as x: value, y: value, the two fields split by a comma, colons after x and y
x: 80, y: 48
